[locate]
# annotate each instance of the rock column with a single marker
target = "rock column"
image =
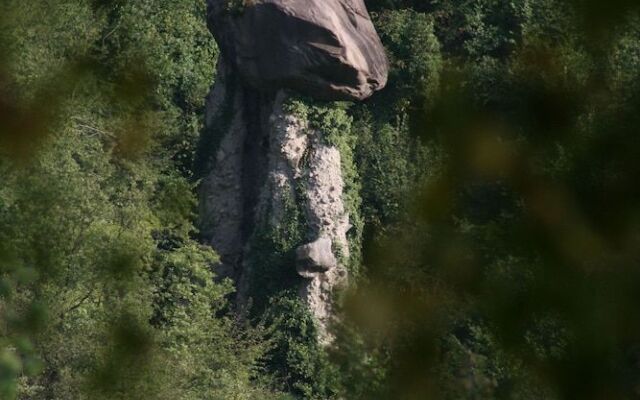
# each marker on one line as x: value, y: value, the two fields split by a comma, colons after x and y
x: 266, y: 169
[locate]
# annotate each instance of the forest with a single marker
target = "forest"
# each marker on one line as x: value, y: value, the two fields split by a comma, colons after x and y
x: 494, y: 215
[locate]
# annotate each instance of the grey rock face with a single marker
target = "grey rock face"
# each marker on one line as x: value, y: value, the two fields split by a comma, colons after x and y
x: 322, y: 188
x: 229, y: 214
x: 260, y: 158
x: 221, y: 203
x: 327, y: 49
x: 233, y: 168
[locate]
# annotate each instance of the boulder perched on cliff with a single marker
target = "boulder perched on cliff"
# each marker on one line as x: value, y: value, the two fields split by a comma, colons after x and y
x: 327, y: 49
x: 315, y: 257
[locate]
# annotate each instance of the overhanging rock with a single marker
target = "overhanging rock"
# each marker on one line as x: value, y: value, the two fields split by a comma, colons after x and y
x: 327, y: 49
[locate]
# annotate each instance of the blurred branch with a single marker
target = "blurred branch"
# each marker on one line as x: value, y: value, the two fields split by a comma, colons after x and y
x: 83, y: 125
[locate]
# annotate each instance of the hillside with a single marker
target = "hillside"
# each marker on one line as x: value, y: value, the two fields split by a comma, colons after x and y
x: 322, y: 199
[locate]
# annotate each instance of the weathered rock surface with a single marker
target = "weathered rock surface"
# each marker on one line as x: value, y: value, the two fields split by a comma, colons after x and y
x: 320, y: 191
x: 327, y: 49
x: 264, y: 165
x: 233, y: 167
x: 221, y: 198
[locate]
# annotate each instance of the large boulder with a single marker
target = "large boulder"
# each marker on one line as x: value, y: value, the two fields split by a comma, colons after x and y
x: 327, y: 49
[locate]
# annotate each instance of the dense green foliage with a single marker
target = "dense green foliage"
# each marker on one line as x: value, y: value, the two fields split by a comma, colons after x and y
x: 514, y: 275
x: 105, y: 294
x: 297, y: 358
x: 494, y: 182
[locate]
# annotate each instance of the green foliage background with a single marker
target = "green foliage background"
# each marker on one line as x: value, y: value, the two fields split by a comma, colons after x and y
x: 511, y: 270
x: 492, y: 186
x: 106, y: 294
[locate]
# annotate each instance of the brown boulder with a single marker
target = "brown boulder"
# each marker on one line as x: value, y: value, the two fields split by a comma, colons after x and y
x: 327, y: 49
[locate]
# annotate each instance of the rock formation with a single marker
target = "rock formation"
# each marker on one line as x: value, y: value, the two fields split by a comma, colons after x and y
x: 261, y: 162
x: 324, y: 48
